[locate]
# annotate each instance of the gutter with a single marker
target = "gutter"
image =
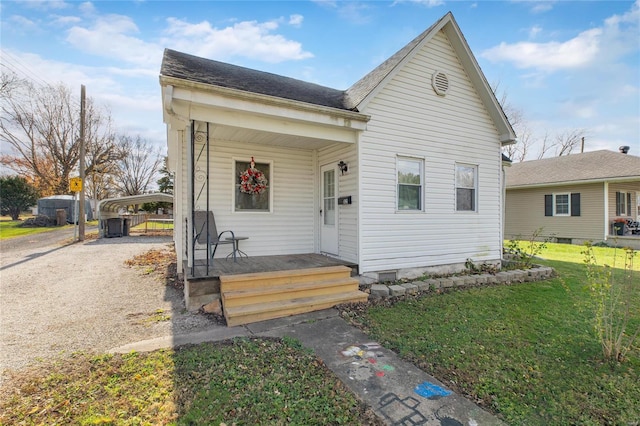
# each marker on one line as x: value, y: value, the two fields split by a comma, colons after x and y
x: 262, y: 99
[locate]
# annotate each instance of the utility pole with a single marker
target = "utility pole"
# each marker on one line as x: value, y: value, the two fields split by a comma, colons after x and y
x: 81, y: 208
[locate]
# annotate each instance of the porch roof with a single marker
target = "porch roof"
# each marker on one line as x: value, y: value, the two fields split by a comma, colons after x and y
x: 192, y: 68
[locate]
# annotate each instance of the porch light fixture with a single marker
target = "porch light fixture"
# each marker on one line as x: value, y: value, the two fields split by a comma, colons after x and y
x: 344, y: 167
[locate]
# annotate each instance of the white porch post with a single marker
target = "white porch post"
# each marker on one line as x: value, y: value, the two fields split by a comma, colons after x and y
x: 606, y: 211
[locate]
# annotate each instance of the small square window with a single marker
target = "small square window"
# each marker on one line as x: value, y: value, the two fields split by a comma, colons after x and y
x: 409, y: 184
x: 466, y: 187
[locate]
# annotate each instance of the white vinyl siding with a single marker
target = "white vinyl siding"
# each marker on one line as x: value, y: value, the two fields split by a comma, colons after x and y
x: 289, y: 228
x: 408, y: 117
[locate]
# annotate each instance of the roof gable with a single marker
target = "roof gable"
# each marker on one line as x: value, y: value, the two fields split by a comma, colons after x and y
x: 586, y: 167
x: 361, y: 92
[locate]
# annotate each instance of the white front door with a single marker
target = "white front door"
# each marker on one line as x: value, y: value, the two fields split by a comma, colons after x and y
x: 328, y: 211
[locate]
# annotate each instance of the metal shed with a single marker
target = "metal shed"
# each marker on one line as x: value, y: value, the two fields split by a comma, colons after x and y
x: 47, y: 206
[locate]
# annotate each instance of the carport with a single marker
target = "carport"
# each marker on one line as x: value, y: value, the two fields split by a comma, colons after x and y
x: 110, y: 208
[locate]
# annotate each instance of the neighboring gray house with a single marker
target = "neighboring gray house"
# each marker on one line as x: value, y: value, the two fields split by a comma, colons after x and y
x: 574, y: 198
x: 399, y: 173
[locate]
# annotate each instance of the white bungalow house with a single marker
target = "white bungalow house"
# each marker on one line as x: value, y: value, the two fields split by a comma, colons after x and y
x: 399, y: 174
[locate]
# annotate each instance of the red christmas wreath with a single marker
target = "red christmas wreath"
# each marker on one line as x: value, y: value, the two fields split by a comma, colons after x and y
x: 252, y: 180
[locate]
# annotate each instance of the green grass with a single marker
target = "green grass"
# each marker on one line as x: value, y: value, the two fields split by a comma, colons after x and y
x: 526, y: 351
x: 241, y: 381
x: 12, y: 229
x: 153, y: 226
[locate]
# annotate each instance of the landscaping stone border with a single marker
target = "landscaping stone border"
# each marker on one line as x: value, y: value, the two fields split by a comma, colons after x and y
x: 537, y: 273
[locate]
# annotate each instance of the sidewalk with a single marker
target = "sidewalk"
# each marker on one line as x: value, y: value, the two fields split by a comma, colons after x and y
x: 397, y: 391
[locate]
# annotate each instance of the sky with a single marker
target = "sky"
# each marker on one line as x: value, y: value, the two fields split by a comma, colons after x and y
x: 566, y: 65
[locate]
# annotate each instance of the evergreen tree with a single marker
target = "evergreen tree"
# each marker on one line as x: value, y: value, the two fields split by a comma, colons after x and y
x: 16, y: 196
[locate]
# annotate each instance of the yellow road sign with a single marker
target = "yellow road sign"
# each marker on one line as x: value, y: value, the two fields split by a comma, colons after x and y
x: 75, y: 184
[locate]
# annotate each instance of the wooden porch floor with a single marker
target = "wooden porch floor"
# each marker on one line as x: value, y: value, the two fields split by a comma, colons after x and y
x: 262, y: 264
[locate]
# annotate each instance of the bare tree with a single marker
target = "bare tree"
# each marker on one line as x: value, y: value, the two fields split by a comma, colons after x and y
x: 8, y: 83
x: 561, y: 144
x: 41, y: 125
x: 137, y: 167
x: 568, y: 140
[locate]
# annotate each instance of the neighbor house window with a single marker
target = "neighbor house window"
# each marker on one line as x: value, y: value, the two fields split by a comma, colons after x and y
x: 562, y: 204
x: 623, y: 204
x: 253, y: 194
x: 410, y: 181
x: 466, y: 187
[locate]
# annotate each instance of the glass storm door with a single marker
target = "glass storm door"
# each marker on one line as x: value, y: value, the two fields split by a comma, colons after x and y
x: 328, y: 212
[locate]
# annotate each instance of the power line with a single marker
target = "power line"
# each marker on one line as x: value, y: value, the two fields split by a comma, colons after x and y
x: 18, y: 67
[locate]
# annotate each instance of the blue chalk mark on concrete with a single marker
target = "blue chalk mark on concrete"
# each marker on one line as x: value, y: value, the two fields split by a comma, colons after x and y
x: 431, y: 391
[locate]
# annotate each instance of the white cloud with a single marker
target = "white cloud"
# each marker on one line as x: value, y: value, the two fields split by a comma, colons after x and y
x: 87, y: 8
x: 427, y: 3
x: 541, y: 7
x: 21, y: 24
x: 64, y: 21
x: 573, y: 53
x: 46, y: 4
x: 250, y: 39
x: 296, y: 20
x: 534, y: 31
x: 110, y: 37
x: 616, y: 37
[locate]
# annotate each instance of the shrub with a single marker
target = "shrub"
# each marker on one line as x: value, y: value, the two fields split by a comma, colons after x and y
x: 524, y: 253
x: 612, y: 294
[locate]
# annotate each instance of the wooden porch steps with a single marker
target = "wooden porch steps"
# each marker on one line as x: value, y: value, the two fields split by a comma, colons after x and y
x: 248, y: 298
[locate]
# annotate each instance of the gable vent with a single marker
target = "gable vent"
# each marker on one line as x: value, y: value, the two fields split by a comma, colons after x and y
x: 440, y: 83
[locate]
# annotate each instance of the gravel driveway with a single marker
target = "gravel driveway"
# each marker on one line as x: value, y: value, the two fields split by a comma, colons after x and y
x: 57, y: 298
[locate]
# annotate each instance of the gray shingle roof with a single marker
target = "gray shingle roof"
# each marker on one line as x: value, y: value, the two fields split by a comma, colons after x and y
x: 589, y: 166
x: 193, y: 68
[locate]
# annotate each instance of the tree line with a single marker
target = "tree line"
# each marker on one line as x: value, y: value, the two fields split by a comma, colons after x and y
x: 40, y: 124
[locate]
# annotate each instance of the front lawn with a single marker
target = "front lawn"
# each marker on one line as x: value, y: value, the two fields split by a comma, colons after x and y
x: 525, y: 351
x: 11, y: 228
x: 241, y: 381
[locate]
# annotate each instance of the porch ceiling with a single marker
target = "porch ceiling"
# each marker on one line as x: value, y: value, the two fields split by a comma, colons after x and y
x: 236, y: 134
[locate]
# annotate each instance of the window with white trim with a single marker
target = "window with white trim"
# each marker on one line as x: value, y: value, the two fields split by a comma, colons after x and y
x: 466, y: 187
x: 410, y: 181
x: 561, y: 205
x: 623, y: 203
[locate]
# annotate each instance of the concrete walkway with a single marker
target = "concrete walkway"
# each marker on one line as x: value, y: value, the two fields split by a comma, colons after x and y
x: 397, y: 391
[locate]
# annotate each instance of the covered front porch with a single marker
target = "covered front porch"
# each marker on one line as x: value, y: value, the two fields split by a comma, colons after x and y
x: 289, y: 223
